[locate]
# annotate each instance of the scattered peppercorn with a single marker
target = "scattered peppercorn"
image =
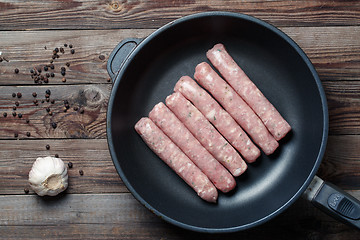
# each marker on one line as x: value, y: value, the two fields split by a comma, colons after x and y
x: 81, y: 172
x: 16, y: 135
x: 28, y: 134
x: 62, y: 50
x: 67, y: 106
x: 81, y: 110
x: 47, y: 95
x: 31, y: 71
x: 101, y: 57
x: 52, y: 66
x: 17, y: 103
x: 63, y: 79
x: 46, y: 68
x: 16, y: 70
x: 39, y: 70
x: 26, y: 190
x: 20, y: 115
x: 66, y: 102
x: 14, y: 108
x: 19, y: 95
x: 27, y: 120
x: 47, y: 99
x: 47, y: 75
x: 57, y: 155
x: 67, y: 64
x: 72, y: 51
x: 48, y: 91
x: 46, y: 80
x: 56, y: 50
x: 14, y: 114
x: 52, y: 74
x: 70, y: 164
x: 34, y: 94
x: 35, y: 102
x: 42, y: 101
x: 65, y: 45
x: 5, y: 114
x: 50, y: 113
x: 65, y: 109
x: 47, y: 146
x: 70, y: 46
x: 76, y: 108
x: 54, y: 125
x: 63, y: 73
x: 48, y: 109
x: 52, y: 101
x: 13, y: 94
x: 109, y: 79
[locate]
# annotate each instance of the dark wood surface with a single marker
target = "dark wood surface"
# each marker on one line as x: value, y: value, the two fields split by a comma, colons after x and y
x: 97, y: 205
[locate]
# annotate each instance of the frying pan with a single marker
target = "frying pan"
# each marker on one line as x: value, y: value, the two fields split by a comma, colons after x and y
x: 144, y: 72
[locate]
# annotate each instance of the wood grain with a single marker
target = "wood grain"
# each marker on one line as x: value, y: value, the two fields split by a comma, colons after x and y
x: 70, y: 124
x: 335, y: 60
x: 339, y: 165
x: 342, y: 97
x: 117, y: 14
x: 114, y: 216
x: 90, y: 155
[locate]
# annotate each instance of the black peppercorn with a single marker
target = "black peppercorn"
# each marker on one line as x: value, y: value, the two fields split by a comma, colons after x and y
x: 27, y: 120
x: 52, y: 74
x: 48, y: 109
x: 47, y: 75
x: 5, y: 114
x: 72, y: 51
x: 17, y: 103
x: 19, y: 95
x: 14, y: 114
x: 34, y: 94
x: 13, y: 95
x: 52, y: 101
x: 56, y: 50
x: 52, y: 66
x: 63, y: 79
x: 63, y: 73
x: 70, y: 164
x: 26, y: 190
x: 16, y: 70
x: 47, y: 146
x: 16, y: 135
x: 65, y: 45
x: 57, y: 155
x: 20, y: 115
x: 81, y: 172
x: 67, y: 64
x: 70, y: 46
x: 14, y: 108
x: 46, y: 80
x: 81, y: 110
x: 28, y: 134
x: 46, y: 68
x: 54, y: 125
x: 48, y: 91
x: 76, y: 108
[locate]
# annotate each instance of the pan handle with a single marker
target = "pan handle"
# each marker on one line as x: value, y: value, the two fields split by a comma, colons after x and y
x: 334, y: 201
x: 119, y: 55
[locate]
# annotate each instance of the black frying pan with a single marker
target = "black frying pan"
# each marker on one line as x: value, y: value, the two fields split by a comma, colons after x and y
x: 145, y: 72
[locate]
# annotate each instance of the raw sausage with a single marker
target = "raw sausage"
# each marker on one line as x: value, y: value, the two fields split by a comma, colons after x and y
x: 221, y: 119
x: 181, y: 136
x: 206, y: 133
x: 162, y: 146
x: 236, y: 107
x: 241, y: 83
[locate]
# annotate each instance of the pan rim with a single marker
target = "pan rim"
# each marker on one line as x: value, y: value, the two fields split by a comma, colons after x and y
x: 319, y: 157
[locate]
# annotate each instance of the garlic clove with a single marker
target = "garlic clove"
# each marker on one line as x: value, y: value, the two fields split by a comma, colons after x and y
x: 48, y: 176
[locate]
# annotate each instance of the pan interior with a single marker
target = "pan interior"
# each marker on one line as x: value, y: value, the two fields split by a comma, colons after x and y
x: 280, y: 73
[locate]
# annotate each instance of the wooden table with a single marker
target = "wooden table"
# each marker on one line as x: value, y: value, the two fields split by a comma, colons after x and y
x: 97, y: 205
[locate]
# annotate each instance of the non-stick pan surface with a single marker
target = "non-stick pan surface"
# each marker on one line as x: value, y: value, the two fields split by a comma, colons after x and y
x: 282, y: 72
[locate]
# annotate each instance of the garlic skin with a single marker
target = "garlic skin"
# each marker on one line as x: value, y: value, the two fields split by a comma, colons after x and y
x: 48, y: 176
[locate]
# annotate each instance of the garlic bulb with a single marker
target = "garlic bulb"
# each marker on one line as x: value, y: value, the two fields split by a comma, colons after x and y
x: 48, y: 176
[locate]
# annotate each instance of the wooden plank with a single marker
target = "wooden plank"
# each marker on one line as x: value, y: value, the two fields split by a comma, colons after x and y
x: 153, y: 14
x: 340, y: 164
x: 26, y: 50
x: 334, y: 51
x: 90, y: 155
x: 342, y: 98
x: 70, y: 124
x: 114, y: 216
